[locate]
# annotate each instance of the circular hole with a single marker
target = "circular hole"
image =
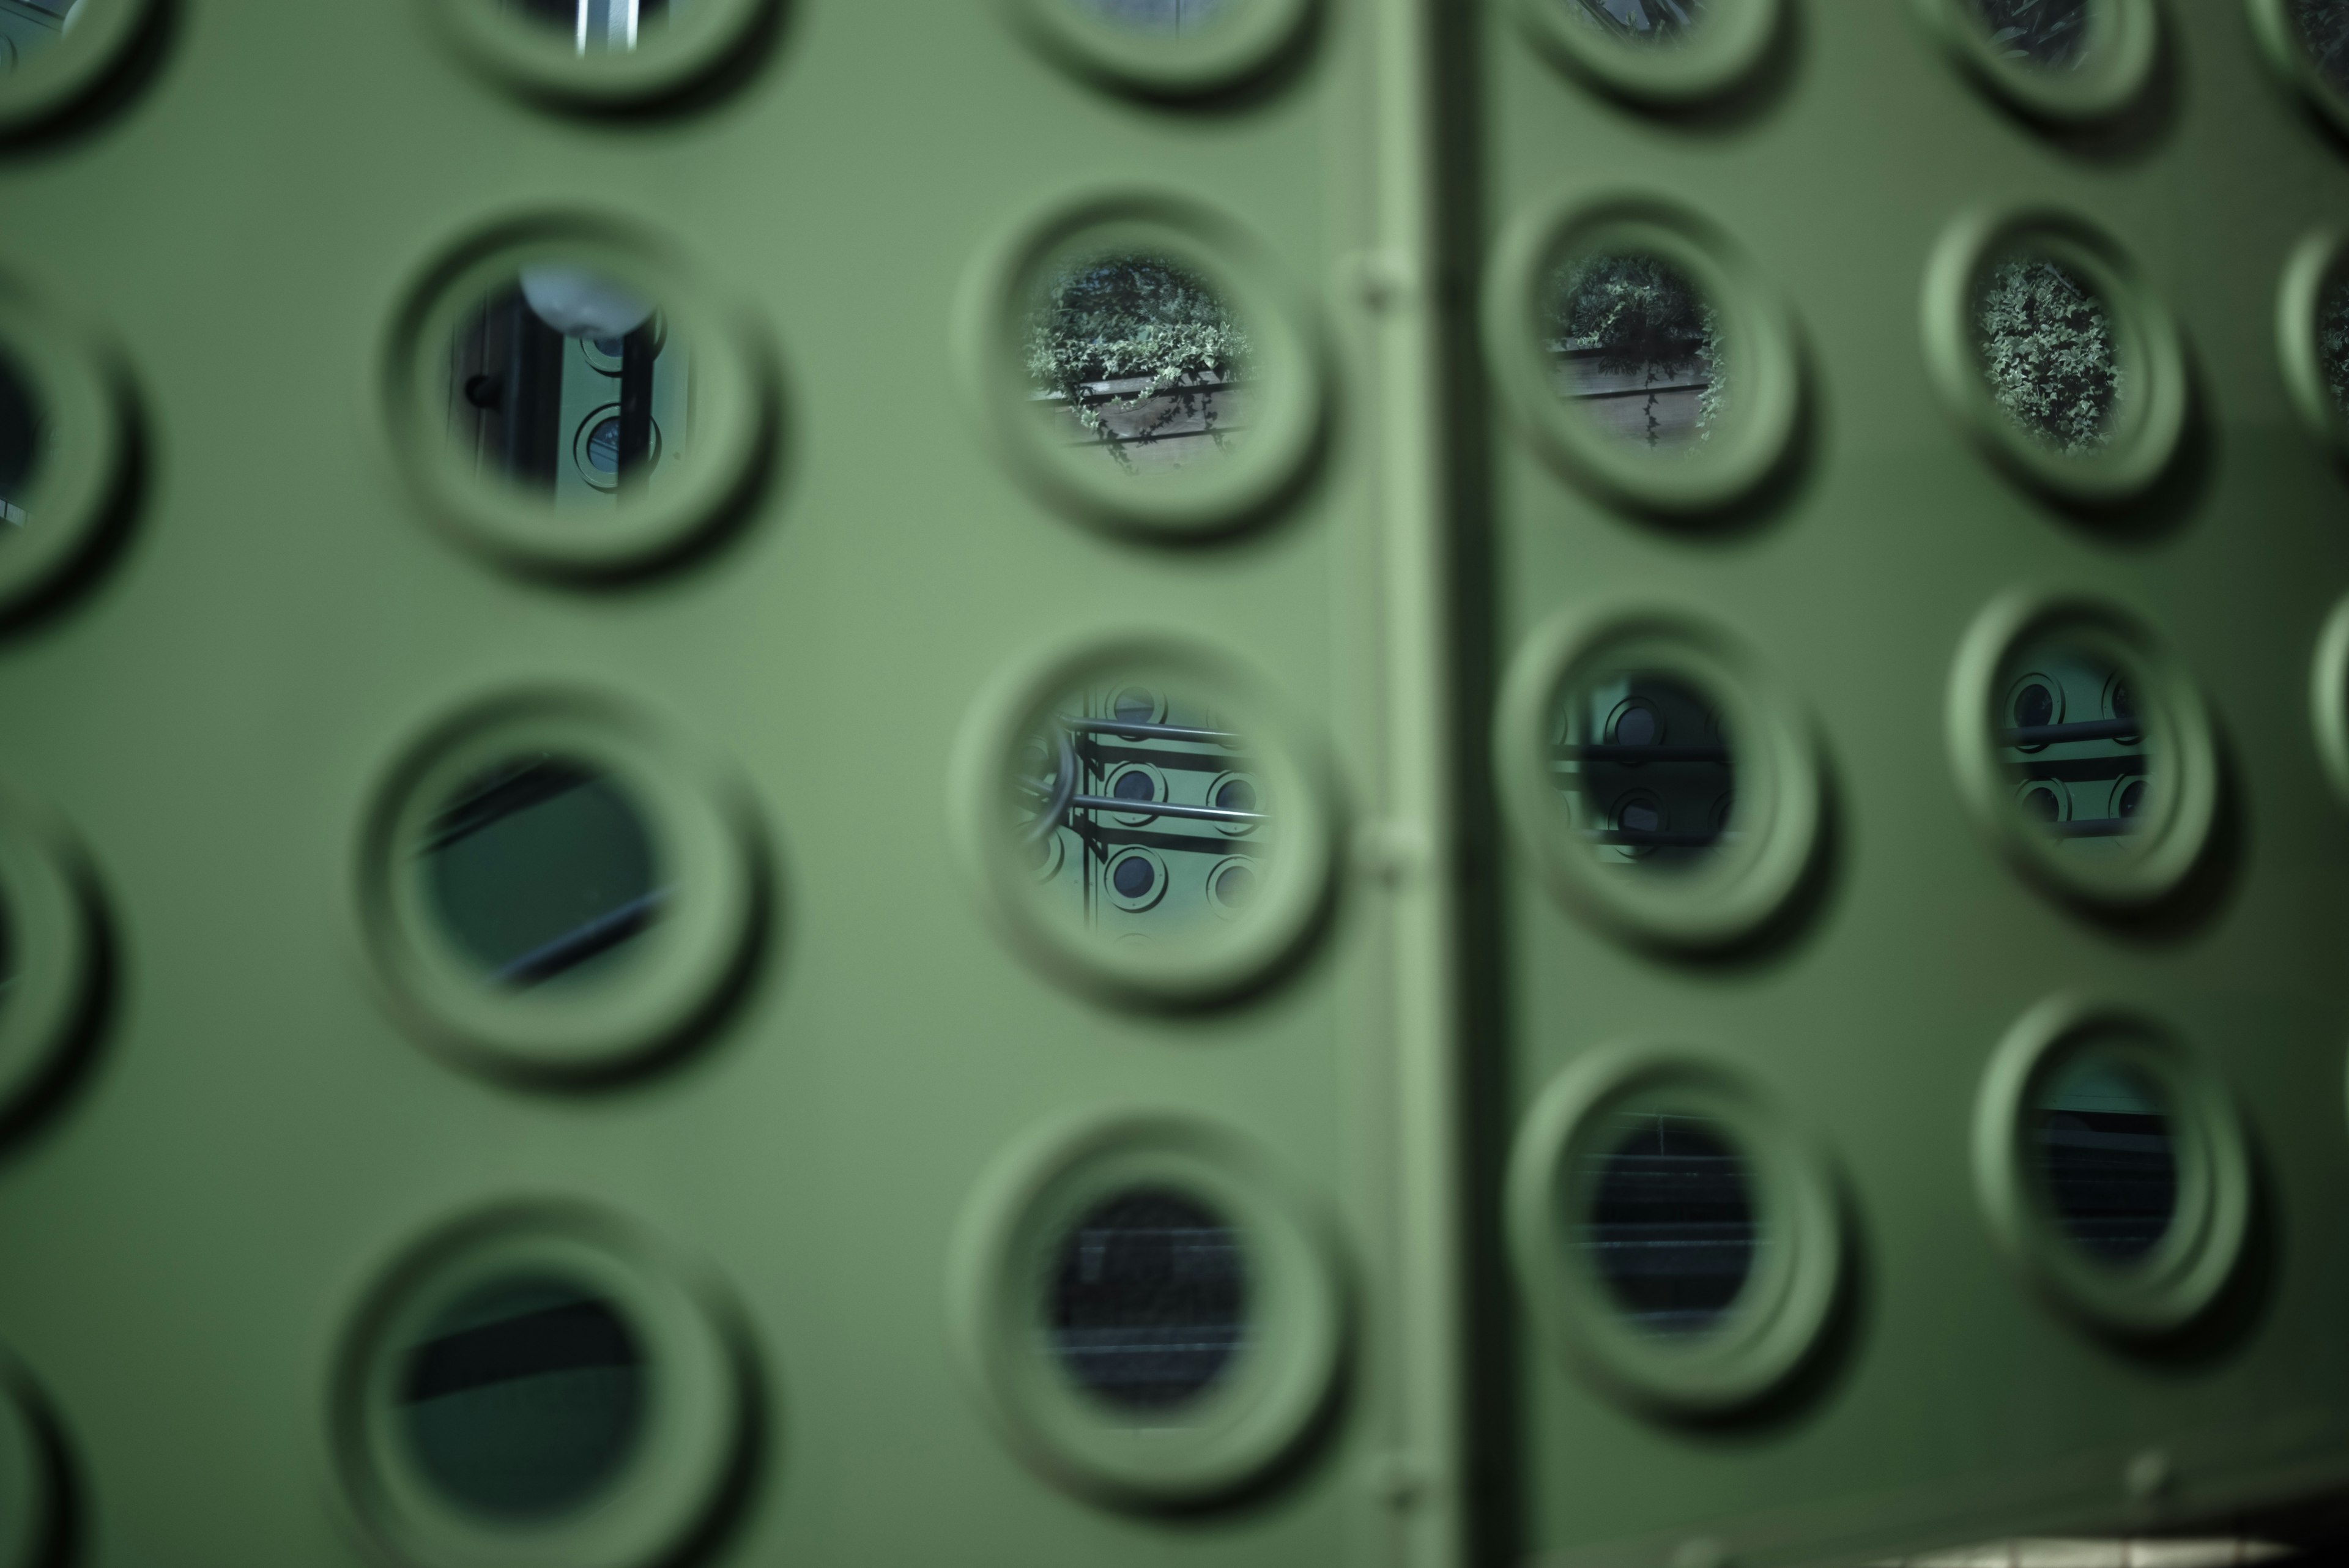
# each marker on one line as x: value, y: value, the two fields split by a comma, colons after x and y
x: 1642, y: 22
x: 1670, y: 1224
x: 2106, y: 1157
x: 2044, y: 35
x: 24, y: 433
x: 1143, y: 814
x: 1636, y: 348
x: 1637, y: 796
x: 1137, y: 363
x: 31, y: 28
x: 2048, y: 348
x: 2052, y: 756
x: 1148, y: 1305
x: 541, y: 419
x: 1235, y: 885
x: 1159, y: 18
x: 2322, y: 27
x: 600, y: 26
x: 541, y: 870
x: 524, y: 1398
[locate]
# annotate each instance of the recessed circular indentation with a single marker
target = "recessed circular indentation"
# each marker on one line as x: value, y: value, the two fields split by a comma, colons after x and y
x: 1642, y: 353
x: 1145, y: 1308
x: 1143, y: 811
x: 1678, y: 1239
x: 1143, y: 367
x: 529, y: 447
x: 51, y: 956
x: 2328, y: 691
x: 554, y: 886
x: 2060, y: 60
x: 1660, y: 52
x: 1164, y: 48
x: 2111, y: 1166
x: 2123, y: 742
x: 2060, y: 363
x: 2307, y: 42
x: 55, y: 54
x: 66, y: 455
x: 2312, y: 335
x: 541, y: 1385
x: 1659, y: 778
x: 601, y: 53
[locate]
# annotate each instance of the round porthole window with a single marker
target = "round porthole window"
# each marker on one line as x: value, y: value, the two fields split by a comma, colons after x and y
x: 603, y: 54
x: 539, y: 1386
x: 1660, y: 52
x: 52, y: 964
x: 553, y: 887
x: 2063, y: 366
x: 1659, y: 777
x: 567, y: 402
x: 2085, y: 751
x: 1165, y: 48
x: 1677, y: 1240
x: 2061, y: 60
x: 65, y: 450
x: 1642, y: 353
x: 55, y: 55
x: 1141, y: 365
x: 1134, y: 818
x: 1145, y: 1309
x: 2307, y: 42
x: 2111, y: 1166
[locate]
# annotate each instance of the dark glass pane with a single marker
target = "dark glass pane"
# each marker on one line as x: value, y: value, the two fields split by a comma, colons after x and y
x: 1236, y: 886
x: 1237, y: 795
x: 2048, y: 351
x: 1133, y: 876
x: 1134, y: 784
x: 1637, y: 347
x: 2053, y: 34
x: 1645, y: 769
x: 1671, y: 1228
x: 2105, y: 1154
x: 21, y: 434
x: 524, y: 1400
x: 541, y: 868
x: 1149, y: 1299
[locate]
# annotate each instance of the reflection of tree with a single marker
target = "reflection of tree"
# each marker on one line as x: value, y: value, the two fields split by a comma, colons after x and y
x: 2333, y: 340
x: 1135, y: 318
x: 2324, y: 33
x: 1639, y: 316
x: 2047, y: 352
x: 2046, y: 32
x: 1644, y: 21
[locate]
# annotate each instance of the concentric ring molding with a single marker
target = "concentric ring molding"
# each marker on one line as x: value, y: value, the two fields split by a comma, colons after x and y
x: 71, y: 71
x: 2328, y: 694
x: 736, y: 403
x: 694, y: 957
x: 50, y: 899
x: 2175, y: 720
x: 1241, y: 1428
x: 2279, y: 42
x: 535, y: 60
x: 85, y: 474
x: 1290, y: 386
x: 1228, y: 54
x: 2118, y: 65
x: 1778, y: 784
x: 1776, y: 1322
x: 1240, y: 953
x: 2185, y: 1274
x: 704, y: 1409
x: 2152, y: 420
x: 1764, y: 416
x: 1719, y: 56
x: 2315, y: 263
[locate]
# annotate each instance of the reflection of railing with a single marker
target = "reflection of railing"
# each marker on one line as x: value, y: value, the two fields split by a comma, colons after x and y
x: 1620, y: 754
x: 1652, y: 838
x: 2081, y: 730
x: 1163, y: 808
x: 584, y: 941
x: 1060, y: 798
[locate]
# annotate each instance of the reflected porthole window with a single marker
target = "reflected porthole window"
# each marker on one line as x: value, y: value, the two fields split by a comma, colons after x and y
x: 1149, y: 1300
x: 1670, y: 1225
x: 1140, y: 362
x: 24, y: 439
x: 600, y: 26
x: 1643, y: 764
x: 541, y: 870
x: 2049, y: 351
x: 524, y: 1399
x: 2048, y: 34
x: 2106, y: 1157
x: 2069, y: 731
x: 1638, y: 349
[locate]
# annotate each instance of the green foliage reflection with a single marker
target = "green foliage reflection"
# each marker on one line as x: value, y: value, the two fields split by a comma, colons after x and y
x: 1637, y: 316
x: 2042, y: 32
x: 2046, y: 341
x: 1144, y: 321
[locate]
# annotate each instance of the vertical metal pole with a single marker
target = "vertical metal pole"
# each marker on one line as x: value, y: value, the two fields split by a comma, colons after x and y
x: 637, y: 351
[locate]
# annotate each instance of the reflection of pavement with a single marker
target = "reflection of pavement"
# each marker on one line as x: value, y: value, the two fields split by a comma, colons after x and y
x: 1195, y: 424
